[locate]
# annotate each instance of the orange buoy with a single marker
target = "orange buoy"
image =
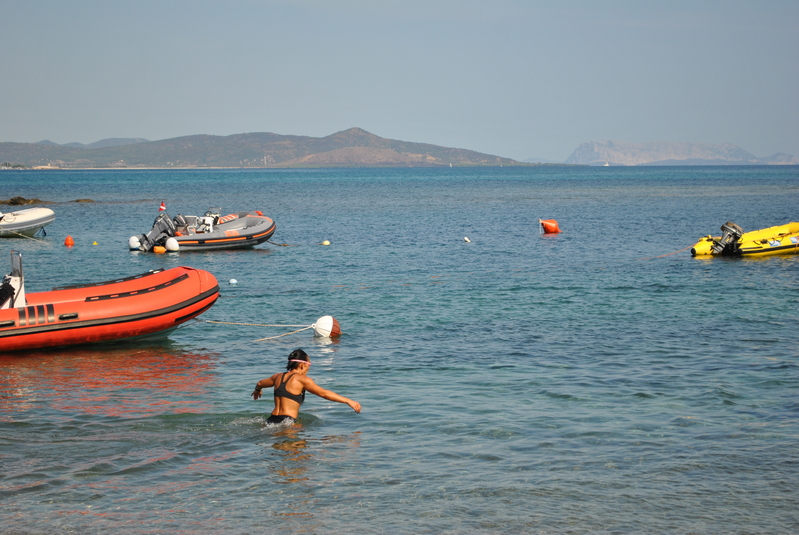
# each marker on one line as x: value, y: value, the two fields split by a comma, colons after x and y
x: 327, y: 327
x: 158, y: 249
x: 549, y: 226
x: 69, y: 242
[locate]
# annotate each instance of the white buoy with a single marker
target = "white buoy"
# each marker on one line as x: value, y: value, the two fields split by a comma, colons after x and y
x: 233, y: 281
x: 327, y: 327
x: 172, y: 245
x: 326, y: 242
x: 467, y: 240
x: 134, y: 243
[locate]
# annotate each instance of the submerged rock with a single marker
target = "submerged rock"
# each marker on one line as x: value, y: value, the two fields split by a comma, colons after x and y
x: 21, y: 201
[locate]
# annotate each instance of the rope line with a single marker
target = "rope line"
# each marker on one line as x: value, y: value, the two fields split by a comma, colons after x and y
x: 257, y: 324
x: 282, y: 244
x: 24, y: 236
x: 284, y: 334
x: 661, y: 256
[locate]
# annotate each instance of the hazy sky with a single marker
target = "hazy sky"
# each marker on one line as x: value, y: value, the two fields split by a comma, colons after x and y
x: 515, y: 78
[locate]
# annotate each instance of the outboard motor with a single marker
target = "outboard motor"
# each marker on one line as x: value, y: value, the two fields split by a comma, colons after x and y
x: 12, y: 290
x: 728, y: 244
x: 163, y: 228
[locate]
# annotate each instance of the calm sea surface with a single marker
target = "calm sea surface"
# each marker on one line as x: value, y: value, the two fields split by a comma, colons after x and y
x: 519, y: 383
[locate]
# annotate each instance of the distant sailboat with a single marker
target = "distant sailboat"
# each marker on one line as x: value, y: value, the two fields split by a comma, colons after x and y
x: 606, y: 164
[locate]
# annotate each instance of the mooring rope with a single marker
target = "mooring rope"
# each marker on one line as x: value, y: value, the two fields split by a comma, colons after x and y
x: 304, y: 327
x: 284, y: 334
x: 661, y: 256
x: 24, y: 236
x: 255, y: 324
x: 281, y: 244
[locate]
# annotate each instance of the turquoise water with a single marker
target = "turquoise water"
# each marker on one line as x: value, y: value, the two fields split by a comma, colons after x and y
x: 519, y: 383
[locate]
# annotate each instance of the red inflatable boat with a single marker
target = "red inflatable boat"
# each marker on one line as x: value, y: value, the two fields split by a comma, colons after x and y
x: 145, y: 305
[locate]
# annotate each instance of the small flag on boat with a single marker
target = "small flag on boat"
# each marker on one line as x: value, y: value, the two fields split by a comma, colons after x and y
x: 162, y: 208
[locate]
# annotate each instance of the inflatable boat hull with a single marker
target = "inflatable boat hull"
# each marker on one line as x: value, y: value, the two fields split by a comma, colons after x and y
x: 25, y: 222
x: 246, y: 230
x: 239, y: 230
x: 146, y: 305
x: 782, y: 239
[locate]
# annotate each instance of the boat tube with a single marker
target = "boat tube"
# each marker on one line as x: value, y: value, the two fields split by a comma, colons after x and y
x: 209, y: 232
x: 25, y: 222
x: 142, y: 306
x: 782, y: 239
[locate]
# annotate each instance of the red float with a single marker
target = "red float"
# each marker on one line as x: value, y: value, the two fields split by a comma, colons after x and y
x: 549, y: 226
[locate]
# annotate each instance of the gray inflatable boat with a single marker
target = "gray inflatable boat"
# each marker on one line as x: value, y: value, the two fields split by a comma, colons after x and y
x: 205, y: 233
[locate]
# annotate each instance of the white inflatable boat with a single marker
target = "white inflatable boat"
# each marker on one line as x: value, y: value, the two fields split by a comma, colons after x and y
x: 25, y: 222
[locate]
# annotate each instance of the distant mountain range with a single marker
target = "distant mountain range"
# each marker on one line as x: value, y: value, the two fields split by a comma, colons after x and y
x: 669, y: 153
x: 349, y: 148
x: 103, y: 143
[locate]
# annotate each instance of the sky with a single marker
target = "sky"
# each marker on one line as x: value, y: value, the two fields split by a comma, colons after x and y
x: 515, y: 78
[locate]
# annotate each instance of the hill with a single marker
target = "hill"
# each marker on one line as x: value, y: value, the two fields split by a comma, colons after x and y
x: 669, y: 153
x: 353, y: 147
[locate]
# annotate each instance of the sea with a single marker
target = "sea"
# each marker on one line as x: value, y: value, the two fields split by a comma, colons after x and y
x: 601, y: 380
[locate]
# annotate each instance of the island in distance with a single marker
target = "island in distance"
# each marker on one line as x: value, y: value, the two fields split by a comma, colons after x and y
x: 354, y: 147
x: 670, y: 153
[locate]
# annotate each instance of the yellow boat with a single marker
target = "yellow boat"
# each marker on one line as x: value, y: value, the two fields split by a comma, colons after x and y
x: 782, y: 239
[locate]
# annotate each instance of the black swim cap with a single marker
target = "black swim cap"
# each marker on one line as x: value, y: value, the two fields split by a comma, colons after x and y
x: 297, y: 354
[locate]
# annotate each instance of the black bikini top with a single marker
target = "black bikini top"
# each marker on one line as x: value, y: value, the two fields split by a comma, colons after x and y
x: 281, y: 392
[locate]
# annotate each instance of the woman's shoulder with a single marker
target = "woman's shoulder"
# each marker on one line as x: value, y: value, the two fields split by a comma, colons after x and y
x: 302, y: 378
x: 306, y: 381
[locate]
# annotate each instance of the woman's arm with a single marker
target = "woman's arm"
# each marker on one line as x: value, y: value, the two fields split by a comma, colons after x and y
x: 263, y: 383
x: 314, y: 388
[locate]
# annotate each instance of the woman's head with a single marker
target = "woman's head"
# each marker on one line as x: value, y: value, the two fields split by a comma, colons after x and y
x: 296, y: 358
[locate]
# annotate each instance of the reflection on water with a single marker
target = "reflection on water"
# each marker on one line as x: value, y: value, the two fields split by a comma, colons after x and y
x: 129, y: 381
x: 296, y: 461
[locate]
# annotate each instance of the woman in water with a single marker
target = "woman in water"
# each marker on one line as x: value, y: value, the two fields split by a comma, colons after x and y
x: 290, y: 388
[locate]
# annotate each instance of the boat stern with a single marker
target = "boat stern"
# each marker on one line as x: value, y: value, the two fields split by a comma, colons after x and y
x: 704, y: 247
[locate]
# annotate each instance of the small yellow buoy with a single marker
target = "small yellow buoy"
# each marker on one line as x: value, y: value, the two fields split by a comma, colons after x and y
x: 94, y: 243
x: 325, y: 242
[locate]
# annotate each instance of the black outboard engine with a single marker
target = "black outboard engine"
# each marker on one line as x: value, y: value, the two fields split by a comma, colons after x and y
x: 163, y: 228
x: 12, y: 286
x: 728, y: 244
